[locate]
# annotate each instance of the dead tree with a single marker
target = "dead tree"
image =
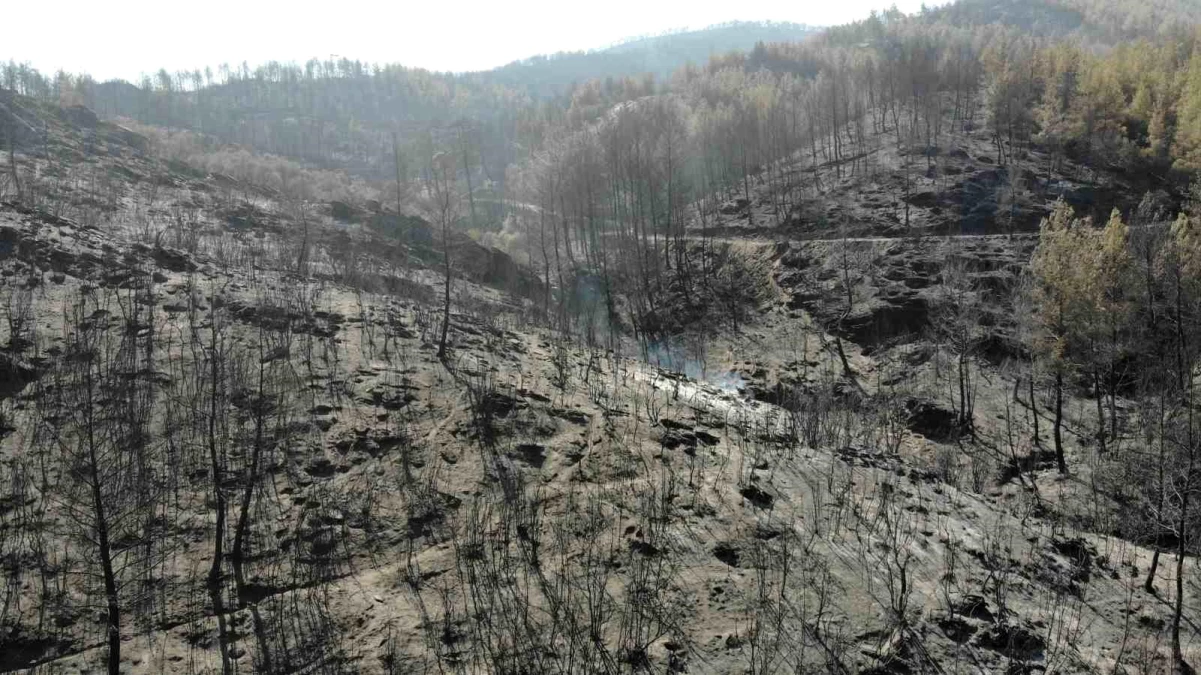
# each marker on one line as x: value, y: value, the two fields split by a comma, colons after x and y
x: 441, y: 186
x: 91, y: 415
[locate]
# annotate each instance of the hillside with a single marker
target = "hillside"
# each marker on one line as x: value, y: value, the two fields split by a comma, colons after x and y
x: 874, y: 353
x: 527, y: 502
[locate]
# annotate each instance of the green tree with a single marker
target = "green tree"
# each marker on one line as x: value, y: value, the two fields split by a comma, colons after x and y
x: 1111, y: 311
x: 1061, y: 302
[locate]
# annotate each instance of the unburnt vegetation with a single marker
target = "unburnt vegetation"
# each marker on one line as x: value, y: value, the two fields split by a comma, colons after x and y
x: 875, y: 353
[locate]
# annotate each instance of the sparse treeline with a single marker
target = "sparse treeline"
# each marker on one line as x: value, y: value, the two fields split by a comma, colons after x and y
x: 342, y: 112
x: 833, y: 98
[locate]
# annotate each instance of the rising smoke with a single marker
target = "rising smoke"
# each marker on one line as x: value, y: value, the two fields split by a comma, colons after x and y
x: 677, y: 357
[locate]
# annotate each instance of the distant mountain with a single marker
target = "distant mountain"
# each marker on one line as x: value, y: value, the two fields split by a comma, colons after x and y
x: 660, y: 55
x: 698, y: 45
x: 1098, y: 21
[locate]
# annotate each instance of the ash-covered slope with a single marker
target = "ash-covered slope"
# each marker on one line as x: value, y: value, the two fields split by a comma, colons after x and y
x: 526, y: 505
x: 243, y: 392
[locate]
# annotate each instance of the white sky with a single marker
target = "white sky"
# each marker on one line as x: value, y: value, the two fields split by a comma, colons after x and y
x: 124, y: 38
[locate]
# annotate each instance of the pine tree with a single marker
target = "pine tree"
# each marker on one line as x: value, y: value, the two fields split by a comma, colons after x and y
x: 1112, y: 272
x: 1062, y: 276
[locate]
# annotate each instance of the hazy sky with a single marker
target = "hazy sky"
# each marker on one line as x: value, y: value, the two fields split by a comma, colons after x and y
x: 125, y: 38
